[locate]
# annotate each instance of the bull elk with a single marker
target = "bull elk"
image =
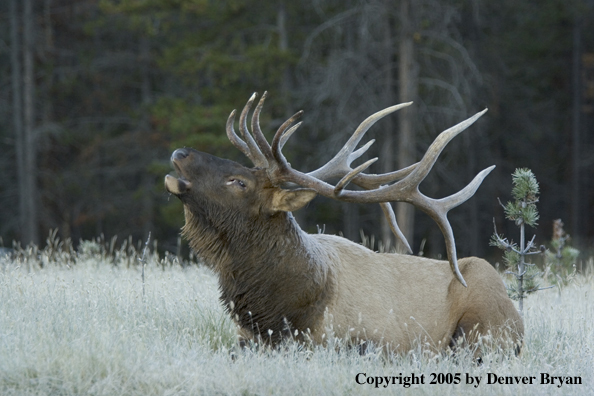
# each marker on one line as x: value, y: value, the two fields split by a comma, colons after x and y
x: 278, y: 281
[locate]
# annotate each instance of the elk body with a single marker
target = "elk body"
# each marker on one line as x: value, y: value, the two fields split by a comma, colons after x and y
x: 278, y: 281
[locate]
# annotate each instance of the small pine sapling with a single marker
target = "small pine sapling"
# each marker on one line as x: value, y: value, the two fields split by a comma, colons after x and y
x: 561, y: 258
x: 522, y: 210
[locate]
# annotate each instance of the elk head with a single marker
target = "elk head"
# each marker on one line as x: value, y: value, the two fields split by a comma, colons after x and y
x: 229, y: 186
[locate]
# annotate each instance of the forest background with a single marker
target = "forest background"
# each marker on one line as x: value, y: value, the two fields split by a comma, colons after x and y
x: 95, y: 95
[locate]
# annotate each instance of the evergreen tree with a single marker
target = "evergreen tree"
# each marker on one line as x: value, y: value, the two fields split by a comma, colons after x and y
x: 523, y: 212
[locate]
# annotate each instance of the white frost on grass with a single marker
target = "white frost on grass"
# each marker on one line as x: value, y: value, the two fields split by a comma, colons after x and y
x: 86, y: 329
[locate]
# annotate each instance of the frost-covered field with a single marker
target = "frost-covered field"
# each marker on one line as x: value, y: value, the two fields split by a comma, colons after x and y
x: 86, y: 329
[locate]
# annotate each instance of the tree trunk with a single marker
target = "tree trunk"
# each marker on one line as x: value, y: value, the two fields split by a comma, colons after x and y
x: 148, y: 205
x: 283, y: 45
x: 17, y: 113
x: 30, y: 153
x: 408, y: 88
x: 387, y: 150
x: 48, y: 60
x: 473, y: 210
x: 285, y: 88
x: 474, y: 229
x: 45, y: 114
x: 575, y: 136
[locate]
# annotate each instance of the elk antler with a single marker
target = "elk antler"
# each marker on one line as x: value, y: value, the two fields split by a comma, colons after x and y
x: 261, y: 154
x: 406, y: 189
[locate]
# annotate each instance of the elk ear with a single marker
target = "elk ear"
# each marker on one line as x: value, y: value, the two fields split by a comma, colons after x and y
x: 291, y: 200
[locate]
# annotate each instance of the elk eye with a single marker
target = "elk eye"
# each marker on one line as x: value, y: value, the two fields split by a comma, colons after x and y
x: 238, y: 182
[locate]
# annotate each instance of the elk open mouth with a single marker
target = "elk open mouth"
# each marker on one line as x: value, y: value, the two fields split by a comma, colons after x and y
x: 179, y: 185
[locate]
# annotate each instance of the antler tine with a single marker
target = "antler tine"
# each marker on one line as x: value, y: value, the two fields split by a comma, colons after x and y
x: 386, y: 207
x: 280, y: 134
x: 286, y: 135
x: 368, y: 123
x: 258, y: 134
x: 448, y: 234
x: 425, y: 165
x: 255, y: 155
x: 360, y: 151
x: 466, y: 193
x: 234, y: 139
x: 340, y: 164
x: 372, y: 181
x: 439, y: 208
x: 351, y: 175
x: 391, y: 217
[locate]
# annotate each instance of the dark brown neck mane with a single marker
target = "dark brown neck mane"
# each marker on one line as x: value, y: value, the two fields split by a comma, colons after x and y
x: 250, y: 257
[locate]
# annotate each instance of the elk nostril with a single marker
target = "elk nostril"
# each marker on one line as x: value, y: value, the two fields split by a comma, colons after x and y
x: 180, y: 154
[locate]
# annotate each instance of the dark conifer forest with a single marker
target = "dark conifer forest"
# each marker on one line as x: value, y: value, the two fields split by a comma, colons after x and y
x: 96, y: 94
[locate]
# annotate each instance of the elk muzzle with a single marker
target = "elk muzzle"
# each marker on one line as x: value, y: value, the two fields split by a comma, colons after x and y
x: 172, y: 184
